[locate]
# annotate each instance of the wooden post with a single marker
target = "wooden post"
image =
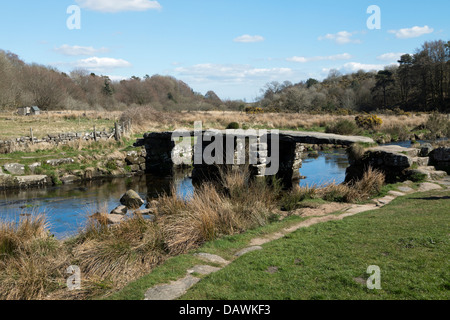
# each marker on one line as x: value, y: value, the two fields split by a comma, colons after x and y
x: 95, y: 135
x: 31, y: 135
x: 116, y: 133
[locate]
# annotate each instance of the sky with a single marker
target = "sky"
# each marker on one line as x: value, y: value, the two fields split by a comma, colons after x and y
x: 231, y: 47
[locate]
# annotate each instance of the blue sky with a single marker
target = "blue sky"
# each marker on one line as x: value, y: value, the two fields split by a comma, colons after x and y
x: 229, y: 46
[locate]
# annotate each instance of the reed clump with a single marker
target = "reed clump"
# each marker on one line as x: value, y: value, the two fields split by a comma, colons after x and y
x: 234, y: 206
x: 31, y: 260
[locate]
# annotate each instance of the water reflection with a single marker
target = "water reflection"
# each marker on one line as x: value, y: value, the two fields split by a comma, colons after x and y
x: 67, y: 207
x: 329, y: 166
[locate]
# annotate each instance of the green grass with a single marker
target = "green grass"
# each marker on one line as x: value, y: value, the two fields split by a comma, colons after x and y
x: 407, y: 239
x: 175, y: 267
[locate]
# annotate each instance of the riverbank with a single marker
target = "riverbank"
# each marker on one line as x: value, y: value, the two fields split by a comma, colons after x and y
x: 73, y: 162
x: 111, y: 256
x: 399, y: 234
x: 407, y: 240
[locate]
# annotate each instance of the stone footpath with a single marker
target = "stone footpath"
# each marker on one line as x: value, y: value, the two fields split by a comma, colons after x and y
x: 178, y: 288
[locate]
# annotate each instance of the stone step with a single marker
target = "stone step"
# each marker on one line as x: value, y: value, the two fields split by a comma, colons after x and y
x: 421, y: 161
x: 430, y: 172
x: 171, y: 291
x: 212, y: 258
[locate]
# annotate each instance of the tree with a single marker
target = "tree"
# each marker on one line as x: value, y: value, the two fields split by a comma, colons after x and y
x: 108, y: 90
x: 213, y: 98
x: 311, y: 82
x: 384, y: 80
x: 404, y: 75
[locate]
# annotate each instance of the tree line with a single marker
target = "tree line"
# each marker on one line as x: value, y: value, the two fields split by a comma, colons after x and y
x: 420, y: 82
x: 23, y: 84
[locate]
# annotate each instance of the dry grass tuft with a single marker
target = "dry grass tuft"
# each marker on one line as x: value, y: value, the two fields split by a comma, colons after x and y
x: 361, y: 190
x: 118, y: 253
x: 31, y: 260
x: 233, y: 207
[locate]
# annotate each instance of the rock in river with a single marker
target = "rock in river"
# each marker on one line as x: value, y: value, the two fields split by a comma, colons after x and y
x: 132, y: 200
x: 120, y: 210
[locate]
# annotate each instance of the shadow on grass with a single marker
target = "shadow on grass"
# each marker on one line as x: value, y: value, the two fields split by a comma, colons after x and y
x: 433, y: 198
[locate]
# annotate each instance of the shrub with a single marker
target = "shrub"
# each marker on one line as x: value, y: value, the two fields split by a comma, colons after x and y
x: 438, y: 125
x: 111, y: 165
x: 254, y: 110
x: 399, y: 112
x: 344, y: 127
x: 418, y: 177
x: 368, y: 122
x: 233, y: 126
x: 398, y: 132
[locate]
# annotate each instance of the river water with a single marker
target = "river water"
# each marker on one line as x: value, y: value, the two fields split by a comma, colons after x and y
x: 67, y: 207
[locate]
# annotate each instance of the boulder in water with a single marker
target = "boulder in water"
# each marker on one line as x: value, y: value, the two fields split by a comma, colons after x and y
x: 132, y: 200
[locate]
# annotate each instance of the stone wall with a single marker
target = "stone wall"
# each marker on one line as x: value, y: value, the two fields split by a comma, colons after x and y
x: 22, y: 143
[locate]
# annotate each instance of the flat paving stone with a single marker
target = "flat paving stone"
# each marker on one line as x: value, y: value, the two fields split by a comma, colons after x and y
x: 171, y: 291
x: 385, y: 200
x: 396, y: 193
x: 203, y: 270
x: 426, y: 186
x: 247, y: 250
x: 211, y: 258
x: 405, y: 189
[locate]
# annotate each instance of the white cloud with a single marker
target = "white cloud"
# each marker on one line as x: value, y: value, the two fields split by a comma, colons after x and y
x: 342, y: 37
x: 113, y: 6
x: 390, y: 57
x: 246, y: 38
x: 234, y: 81
x: 231, y: 73
x: 352, y: 67
x: 96, y: 64
x: 413, y: 32
x: 118, y: 78
x: 344, y: 56
x: 79, y: 50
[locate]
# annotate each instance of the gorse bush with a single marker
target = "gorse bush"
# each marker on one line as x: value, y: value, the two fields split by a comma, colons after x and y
x: 254, y: 110
x: 368, y: 122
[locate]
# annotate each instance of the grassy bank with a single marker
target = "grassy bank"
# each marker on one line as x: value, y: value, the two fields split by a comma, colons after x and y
x: 407, y: 239
x: 110, y: 257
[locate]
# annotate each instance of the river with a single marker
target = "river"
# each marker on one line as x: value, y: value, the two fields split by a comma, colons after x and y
x: 67, y: 207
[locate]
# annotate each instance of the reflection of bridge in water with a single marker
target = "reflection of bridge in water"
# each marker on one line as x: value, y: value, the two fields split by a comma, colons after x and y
x: 268, y: 153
